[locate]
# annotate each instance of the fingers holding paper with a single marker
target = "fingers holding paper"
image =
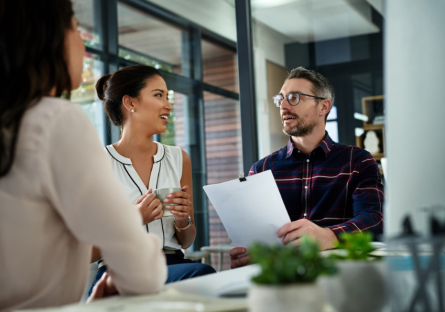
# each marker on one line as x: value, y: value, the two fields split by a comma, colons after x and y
x: 238, y: 257
x: 291, y: 233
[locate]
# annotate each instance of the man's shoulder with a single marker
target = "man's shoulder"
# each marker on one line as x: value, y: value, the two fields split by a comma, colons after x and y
x: 261, y: 165
x: 351, y: 152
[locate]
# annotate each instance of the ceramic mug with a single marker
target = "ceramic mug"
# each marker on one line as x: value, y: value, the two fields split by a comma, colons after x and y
x: 162, y: 194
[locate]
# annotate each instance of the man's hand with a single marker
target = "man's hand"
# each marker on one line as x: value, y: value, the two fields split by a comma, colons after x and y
x: 103, y: 288
x: 292, y: 232
x: 149, y: 207
x: 238, y: 262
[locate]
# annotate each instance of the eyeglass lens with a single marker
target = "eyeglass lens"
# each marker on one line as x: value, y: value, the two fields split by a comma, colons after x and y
x: 293, y: 99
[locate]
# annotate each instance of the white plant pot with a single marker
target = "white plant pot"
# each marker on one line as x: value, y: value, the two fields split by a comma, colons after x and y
x: 289, y: 298
x: 359, y: 286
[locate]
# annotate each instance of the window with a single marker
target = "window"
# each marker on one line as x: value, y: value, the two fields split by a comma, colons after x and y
x: 86, y: 94
x: 86, y: 12
x: 147, y: 40
x: 332, y: 124
x: 220, y: 66
x: 223, y: 156
x: 138, y: 32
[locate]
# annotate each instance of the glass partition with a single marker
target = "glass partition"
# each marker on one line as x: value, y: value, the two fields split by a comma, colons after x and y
x: 86, y: 95
x: 150, y: 41
x: 174, y: 135
x: 220, y: 66
x: 86, y: 12
x: 223, y: 156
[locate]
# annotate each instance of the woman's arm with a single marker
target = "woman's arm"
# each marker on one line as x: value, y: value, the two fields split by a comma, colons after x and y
x: 79, y: 182
x: 185, y: 199
x: 150, y: 209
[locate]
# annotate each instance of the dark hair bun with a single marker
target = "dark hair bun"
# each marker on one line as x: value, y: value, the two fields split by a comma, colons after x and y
x: 129, y: 81
x: 101, y: 86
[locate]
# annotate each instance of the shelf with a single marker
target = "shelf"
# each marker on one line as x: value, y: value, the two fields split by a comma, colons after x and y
x: 367, y: 108
x: 378, y: 156
x: 373, y: 98
x: 373, y: 127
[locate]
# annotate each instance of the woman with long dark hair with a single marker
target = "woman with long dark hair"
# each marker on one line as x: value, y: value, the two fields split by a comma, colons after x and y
x: 136, y: 99
x: 56, y: 184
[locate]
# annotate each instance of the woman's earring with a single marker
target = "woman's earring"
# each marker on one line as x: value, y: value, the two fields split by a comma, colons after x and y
x: 132, y: 110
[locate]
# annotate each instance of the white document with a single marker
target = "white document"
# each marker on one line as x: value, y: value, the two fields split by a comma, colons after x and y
x: 251, y: 211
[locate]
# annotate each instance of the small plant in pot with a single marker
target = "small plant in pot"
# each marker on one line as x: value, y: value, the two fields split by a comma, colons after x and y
x: 360, y: 284
x: 287, y: 281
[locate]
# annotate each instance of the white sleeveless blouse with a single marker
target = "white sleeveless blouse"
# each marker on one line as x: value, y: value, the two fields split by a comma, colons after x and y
x: 166, y: 172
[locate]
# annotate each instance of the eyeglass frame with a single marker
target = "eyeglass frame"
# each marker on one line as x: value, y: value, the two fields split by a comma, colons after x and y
x: 292, y: 93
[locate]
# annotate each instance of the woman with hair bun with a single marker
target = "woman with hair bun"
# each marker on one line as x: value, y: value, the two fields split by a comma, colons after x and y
x: 136, y: 99
x: 56, y: 184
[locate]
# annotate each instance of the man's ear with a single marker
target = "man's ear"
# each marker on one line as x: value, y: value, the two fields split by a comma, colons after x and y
x: 325, y: 107
x: 128, y: 102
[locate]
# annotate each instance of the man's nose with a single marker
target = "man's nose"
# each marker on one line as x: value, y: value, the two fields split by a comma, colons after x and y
x: 285, y: 105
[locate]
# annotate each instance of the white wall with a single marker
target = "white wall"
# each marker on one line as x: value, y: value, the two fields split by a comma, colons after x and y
x: 268, y: 45
x: 414, y: 83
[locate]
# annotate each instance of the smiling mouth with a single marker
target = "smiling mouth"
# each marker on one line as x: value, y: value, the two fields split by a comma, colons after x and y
x: 165, y: 117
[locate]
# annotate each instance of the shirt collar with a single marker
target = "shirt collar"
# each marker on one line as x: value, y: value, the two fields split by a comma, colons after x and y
x: 326, y: 145
x: 127, y: 161
x: 160, y: 153
x: 112, y: 151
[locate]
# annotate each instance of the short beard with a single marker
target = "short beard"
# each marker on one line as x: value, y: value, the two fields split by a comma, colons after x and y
x: 302, y: 128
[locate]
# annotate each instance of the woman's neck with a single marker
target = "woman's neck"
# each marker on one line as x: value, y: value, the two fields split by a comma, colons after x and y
x: 133, y: 144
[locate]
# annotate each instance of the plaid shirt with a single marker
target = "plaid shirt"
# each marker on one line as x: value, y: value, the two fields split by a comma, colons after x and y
x: 337, y: 186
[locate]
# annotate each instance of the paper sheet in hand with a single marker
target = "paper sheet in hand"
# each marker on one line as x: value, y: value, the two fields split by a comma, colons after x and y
x: 250, y: 211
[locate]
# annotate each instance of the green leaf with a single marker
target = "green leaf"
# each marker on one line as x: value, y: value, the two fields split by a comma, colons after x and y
x: 288, y: 265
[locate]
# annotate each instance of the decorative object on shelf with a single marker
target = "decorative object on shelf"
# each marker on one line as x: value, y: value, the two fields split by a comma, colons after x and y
x: 287, y: 281
x: 378, y: 120
x: 373, y: 120
x: 372, y: 142
x: 360, y: 284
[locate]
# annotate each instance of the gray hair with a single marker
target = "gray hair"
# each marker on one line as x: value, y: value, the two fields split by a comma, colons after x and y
x: 321, y: 87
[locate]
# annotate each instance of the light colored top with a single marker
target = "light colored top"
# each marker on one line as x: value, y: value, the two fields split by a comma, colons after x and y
x: 58, y: 200
x: 166, y: 173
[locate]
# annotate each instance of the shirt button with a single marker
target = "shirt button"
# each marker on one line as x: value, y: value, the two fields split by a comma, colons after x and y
x: 305, y: 214
x: 307, y: 160
x: 305, y: 187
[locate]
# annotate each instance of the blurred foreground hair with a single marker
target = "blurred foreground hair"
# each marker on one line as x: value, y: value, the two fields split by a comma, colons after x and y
x: 32, y: 62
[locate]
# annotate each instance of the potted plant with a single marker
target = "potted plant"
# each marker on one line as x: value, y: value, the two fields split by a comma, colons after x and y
x: 287, y: 281
x: 360, y: 284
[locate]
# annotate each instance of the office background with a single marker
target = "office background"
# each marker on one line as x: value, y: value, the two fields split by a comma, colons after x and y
x: 194, y: 44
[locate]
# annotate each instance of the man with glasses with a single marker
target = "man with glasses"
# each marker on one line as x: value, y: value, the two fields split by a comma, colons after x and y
x: 328, y: 188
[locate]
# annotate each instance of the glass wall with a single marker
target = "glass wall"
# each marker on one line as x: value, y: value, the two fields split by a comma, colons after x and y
x: 150, y: 41
x: 202, y: 77
x: 223, y: 156
x: 174, y: 135
x: 86, y: 95
x: 220, y: 66
x: 86, y: 12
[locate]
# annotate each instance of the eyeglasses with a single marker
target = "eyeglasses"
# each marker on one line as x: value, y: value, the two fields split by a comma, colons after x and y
x: 293, y: 98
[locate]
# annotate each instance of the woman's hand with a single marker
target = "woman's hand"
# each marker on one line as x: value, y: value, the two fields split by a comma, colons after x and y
x: 150, y: 207
x: 103, y: 288
x: 184, y: 208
